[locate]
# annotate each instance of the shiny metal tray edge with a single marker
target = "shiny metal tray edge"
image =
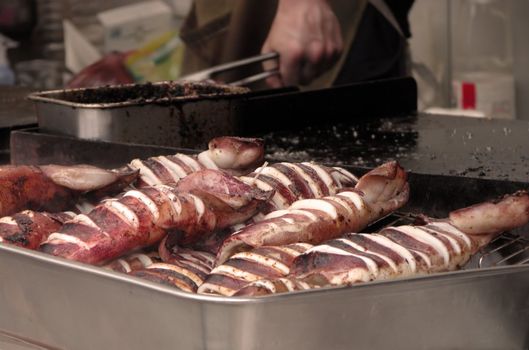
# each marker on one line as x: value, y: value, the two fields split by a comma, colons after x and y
x: 109, y: 274
x: 63, y: 304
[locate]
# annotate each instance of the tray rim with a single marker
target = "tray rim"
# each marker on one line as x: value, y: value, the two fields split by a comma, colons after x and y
x: 230, y: 301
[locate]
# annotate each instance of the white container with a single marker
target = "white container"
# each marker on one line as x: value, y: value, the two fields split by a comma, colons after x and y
x: 129, y: 27
x: 482, y: 52
x: 491, y: 93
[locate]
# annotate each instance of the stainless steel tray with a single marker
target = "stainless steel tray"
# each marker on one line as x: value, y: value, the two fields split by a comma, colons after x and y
x: 162, y: 113
x: 73, y: 306
x: 67, y: 305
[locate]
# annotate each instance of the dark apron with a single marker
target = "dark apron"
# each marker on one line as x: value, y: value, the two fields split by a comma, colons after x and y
x: 219, y: 31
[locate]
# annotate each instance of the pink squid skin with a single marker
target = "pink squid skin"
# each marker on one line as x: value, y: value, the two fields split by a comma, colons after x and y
x: 493, y: 217
x: 237, y: 155
x: 231, y: 198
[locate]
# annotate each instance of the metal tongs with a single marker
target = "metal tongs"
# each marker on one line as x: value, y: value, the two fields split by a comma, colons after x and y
x: 210, y: 73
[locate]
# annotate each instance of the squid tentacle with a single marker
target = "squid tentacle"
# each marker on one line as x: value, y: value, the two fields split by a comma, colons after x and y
x: 435, y: 246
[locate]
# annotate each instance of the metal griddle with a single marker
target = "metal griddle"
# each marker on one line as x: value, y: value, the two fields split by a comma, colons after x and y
x: 160, y: 114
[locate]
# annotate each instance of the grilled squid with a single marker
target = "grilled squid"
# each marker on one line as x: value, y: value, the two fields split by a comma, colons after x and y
x: 184, y: 269
x: 289, y: 182
x: 201, y: 203
x: 133, y: 262
x: 267, y: 286
x: 235, y: 155
x: 435, y: 246
x: 246, y: 267
x: 29, y: 229
x: 294, y: 181
x: 376, y: 194
x: 55, y: 188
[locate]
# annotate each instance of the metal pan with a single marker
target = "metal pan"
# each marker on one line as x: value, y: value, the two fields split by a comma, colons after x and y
x: 163, y: 113
x: 68, y: 305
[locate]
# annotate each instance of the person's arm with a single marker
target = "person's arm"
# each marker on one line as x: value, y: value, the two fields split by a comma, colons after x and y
x: 306, y: 34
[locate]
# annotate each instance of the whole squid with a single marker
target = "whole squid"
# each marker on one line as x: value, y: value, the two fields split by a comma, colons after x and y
x: 432, y: 246
x: 313, y: 221
x: 234, y: 155
x: 289, y: 182
x: 200, y: 203
x: 267, y: 262
x: 55, y: 188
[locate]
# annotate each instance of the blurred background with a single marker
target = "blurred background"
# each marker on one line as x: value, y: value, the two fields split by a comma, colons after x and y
x: 467, y: 55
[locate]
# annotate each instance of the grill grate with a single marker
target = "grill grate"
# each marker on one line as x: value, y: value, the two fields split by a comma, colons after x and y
x: 506, y: 249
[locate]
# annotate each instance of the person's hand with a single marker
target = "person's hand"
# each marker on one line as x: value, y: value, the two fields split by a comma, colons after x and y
x: 307, y: 36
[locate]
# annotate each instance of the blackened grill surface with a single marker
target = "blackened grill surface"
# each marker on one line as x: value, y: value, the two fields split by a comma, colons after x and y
x: 454, y: 146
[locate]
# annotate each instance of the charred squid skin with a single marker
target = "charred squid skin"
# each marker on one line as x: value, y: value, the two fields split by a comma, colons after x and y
x: 28, y: 229
x: 180, y: 268
x: 317, y: 184
x: 355, y: 258
x: 393, y: 252
x: 245, y: 267
x: 166, y: 277
x: 295, y: 181
x: 164, y: 169
x: 299, y: 184
x: 185, y: 271
x: 27, y: 187
x: 170, y: 252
